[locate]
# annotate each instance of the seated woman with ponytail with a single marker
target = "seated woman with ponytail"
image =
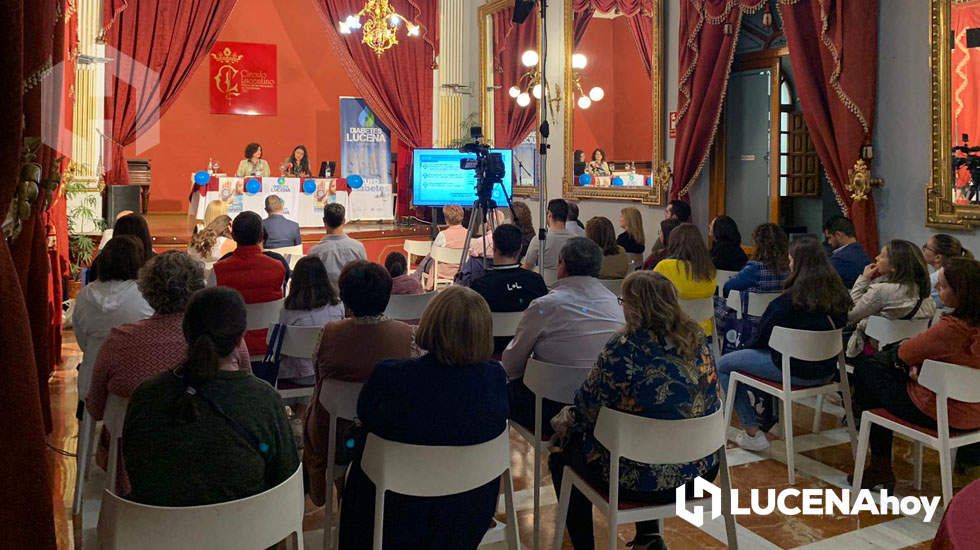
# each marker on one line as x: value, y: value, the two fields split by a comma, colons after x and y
x: 207, y: 431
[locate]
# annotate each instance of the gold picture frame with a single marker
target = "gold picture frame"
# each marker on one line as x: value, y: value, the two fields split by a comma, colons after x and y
x: 655, y: 194
x: 941, y: 211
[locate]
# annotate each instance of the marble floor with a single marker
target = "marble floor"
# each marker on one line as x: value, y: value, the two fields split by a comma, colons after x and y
x: 823, y: 461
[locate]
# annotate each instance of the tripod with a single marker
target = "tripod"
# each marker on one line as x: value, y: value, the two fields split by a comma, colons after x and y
x: 484, y: 214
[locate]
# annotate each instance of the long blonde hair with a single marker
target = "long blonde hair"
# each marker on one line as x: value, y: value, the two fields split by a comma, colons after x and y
x: 205, y: 239
x: 457, y: 327
x: 634, y: 224
x: 215, y: 209
x: 650, y: 304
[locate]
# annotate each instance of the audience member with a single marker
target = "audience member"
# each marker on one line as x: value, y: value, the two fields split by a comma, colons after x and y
x: 632, y: 238
x: 256, y: 275
x: 138, y: 351
x: 615, y: 262
x: 108, y: 233
x: 336, y: 249
x: 215, y: 208
x: 726, y: 244
x: 453, y: 236
x: 659, y: 251
x: 660, y: 347
x: 481, y: 252
x: 896, y: 286
x: 891, y: 380
x: 814, y: 299
x: 312, y: 302
x: 453, y: 395
x: 224, y: 431
x: 401, y: 281
x: 349, y: 349
x: 555, y: 239
x: 678, y: 210
x: 769, y: 265
x: 567, y: 326
x: 573, y: 225
x: 130, y: 224
x: 522, y: 219
x: 940, y: 248
x: 848, y: 258
x: 213, y: 242
x: 280, y: 231
x: 688, y: 265
x: 111, y: 301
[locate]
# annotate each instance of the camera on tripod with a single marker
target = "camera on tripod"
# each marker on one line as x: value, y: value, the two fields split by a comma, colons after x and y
x: 489, y: 167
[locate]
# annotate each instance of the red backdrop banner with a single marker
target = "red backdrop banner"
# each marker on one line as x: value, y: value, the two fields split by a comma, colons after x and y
x: 244, y: 79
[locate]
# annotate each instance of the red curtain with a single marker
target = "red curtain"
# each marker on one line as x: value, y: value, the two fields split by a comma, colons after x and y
x: 26, y: 511
x: 833, y: 47
x: 580, y: 22
x: 512, y: 123
x: 636, y: 11
x: 708, y: 34
x: 965, y: 75
x: 155, y: 46
x: 397, y: 84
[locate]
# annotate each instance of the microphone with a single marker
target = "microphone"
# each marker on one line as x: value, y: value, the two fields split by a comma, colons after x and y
x: 522, y: 168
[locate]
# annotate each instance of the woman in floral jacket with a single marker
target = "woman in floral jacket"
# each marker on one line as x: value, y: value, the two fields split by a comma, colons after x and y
x: 658, y: 366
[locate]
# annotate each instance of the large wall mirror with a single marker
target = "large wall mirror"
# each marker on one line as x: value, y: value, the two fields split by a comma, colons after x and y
x: 953, y: 195
x: 614, y: 100
x: 509, y: 85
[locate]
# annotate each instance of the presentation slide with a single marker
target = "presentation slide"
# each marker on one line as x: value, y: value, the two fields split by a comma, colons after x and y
x: 438, y: 180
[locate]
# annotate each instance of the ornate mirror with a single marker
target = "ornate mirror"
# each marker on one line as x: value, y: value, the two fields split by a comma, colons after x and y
x: 953, y: 195
x: 614, y: 100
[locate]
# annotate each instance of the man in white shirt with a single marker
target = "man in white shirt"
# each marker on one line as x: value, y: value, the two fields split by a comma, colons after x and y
x: 568, y: 326
x: 555, y: 240
x: 336, y: 249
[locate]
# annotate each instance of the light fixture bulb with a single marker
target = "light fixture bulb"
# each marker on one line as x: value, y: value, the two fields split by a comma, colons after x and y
x: 524, y: 100
x: 413, y: 30
x: 584, y: 102
x: 536, y: 91
x: 579, y: 61
x: 514, y: 91
x: 597, y: 93
x: 529, y: 58
x: 394, y: 21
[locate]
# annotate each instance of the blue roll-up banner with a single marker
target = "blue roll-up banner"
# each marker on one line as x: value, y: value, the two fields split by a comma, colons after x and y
x: 365, y: 150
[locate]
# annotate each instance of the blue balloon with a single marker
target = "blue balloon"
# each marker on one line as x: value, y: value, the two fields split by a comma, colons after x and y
x: 355, y: 182
x: 309, y: 186
x: 585, y: 180
x: 617, y: 181
x: 202, y: 177
x: 253, y: 186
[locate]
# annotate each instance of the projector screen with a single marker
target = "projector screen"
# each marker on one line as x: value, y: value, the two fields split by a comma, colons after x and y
x: 437, y: 179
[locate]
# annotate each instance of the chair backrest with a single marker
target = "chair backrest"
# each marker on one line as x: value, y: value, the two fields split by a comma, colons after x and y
x: 431, y: 471
x: 286, y: 251
x: 446, y: 255
x: 261, y: 315
x: 951, y: 381
x: 887, y: 331
x: 807, y: 345
x: 339, y: 398
x: 505, y: 324
x: 114, y: 415
x: 642, y: 439
x: 418, y: 248
x: 549, y: 276
x: 293, y: 259
x: 555, y: 382
x: 757, y: 302
x: 698, y: 309
x: 299, y: 342
x: 408, y: 307
x: 258, y: 521
x: 614, y: 285
x: 722, y: 276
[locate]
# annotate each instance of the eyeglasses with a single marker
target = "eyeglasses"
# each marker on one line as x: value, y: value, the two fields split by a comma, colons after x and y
x: 929, y: 248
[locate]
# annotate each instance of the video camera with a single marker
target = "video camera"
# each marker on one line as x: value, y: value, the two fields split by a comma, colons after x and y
x: 489, y: 167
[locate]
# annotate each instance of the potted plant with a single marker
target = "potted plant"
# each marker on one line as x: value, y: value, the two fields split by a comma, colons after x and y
x: 82, y: 221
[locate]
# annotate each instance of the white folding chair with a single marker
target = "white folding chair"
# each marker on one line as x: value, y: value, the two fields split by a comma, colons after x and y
x: 947, y: 381
x: 338, y: 398
x: 443, y: 255
x: 757, y: 302
x: 83, y: 452
x: 293, y: 259
x: 408, y: 307
x: 113, y: 418
x: 549, y: 276
x: 557, y: 383
x: 286, y: 251
x: 806, y: 345
x: 614, y: 285
x: 722, y: 277
x: 642, y: 440
x: 701, y: 310
x: 259, y: 316
x: 258, y: 521
x: 505, y: 323
x: 300, y: 342
x: 417, y: 248
x: 432, y: 471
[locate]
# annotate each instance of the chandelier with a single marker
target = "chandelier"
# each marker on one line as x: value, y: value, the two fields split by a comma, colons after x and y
x: 380, y: 30
x: 529, y: 84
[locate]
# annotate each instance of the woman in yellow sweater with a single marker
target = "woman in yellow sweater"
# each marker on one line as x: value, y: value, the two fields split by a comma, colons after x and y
x: 688, y: 265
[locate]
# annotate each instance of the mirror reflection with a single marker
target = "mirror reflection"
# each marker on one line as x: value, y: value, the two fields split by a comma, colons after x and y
x: 965, y: 101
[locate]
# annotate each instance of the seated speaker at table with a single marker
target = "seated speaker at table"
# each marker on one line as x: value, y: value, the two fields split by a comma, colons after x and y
x: 253, y: 164
x: 298, y: 163
x: 598, y: 165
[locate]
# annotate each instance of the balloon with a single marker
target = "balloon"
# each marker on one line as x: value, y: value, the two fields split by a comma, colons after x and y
x: 202, y: 177
x: 585, y: 179
x: 355, y: 182
x: 253, y: 186
x: 617, y: 181
x: 309, y: 186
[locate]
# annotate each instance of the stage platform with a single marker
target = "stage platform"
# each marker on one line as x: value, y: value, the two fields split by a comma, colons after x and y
x: 172, y: 231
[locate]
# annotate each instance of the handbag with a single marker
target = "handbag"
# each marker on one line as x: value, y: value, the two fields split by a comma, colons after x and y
x: 268, y: 368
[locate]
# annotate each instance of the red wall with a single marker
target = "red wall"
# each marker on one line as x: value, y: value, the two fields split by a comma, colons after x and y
x: 310, y: 82
x: 620, y: 124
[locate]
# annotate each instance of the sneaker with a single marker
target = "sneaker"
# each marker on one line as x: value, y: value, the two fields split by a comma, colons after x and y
x: 654, y: 543
x: 757, y: 443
